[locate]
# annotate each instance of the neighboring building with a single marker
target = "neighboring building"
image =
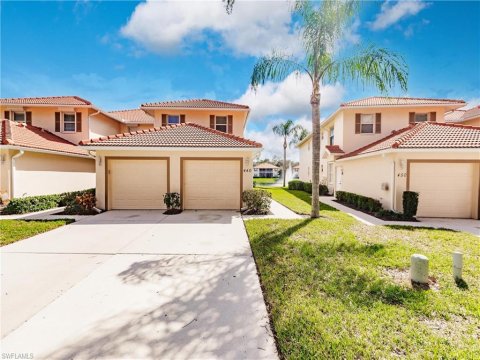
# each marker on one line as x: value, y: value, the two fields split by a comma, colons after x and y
x: 464, y: 117
x: 34, y: 161
x: 134, y: 120
x: 296, y: 171
x: 380, y: 147
x: 196, y: 148
x: 265, y: 170
x: 39, y: 152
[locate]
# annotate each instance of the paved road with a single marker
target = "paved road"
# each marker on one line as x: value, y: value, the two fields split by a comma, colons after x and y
x: 136, y: 284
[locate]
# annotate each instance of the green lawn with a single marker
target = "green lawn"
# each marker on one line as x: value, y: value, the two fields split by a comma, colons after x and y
x: 14, y: 230
x: 337, y: 288
x: 265, y: 181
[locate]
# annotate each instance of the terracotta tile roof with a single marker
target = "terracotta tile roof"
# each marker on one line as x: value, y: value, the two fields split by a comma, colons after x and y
x: 454, y: 115
x: 334, y: 149
x: 196, y: 104
x: 181, y: 135
x: 400, y: 101
x: 48, y: 100
x: 27, y: 136
x: 426, y: 136
x: 134, y: 116
x: 458, y: 116
x: 265, y: 165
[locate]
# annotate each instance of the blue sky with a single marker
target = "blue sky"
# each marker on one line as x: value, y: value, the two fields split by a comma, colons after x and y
x: 120, y: 54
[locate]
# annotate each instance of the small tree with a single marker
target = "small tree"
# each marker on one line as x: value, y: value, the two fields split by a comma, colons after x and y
x: 287, y: 130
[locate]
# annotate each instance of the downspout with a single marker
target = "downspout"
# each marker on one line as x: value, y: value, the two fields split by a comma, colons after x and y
x: 12, y: 173
x: 394, y: 190
x: 89, y: 116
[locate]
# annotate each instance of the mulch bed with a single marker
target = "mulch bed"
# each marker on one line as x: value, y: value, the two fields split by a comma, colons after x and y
x: 173, y: 211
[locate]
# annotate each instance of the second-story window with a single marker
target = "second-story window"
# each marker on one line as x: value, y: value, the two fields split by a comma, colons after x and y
x: 421, y: 117
x: 19, y: 116
x: 69, y: 122
x: 173, y: 119
x: 331, y: 138
x: 367, y: 122
x: 221, y: 123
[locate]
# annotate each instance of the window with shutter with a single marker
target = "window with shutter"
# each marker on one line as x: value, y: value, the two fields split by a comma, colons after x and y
x: 378, y: 123
x: 79, y: 122
x: 230, y: 124
x: 69, y: 123
x: 6, y: 114
x: 28, y: 117
x: 366, y: 123
x: 221, y: 123
x: 57, y: 122
x: 19, y: 116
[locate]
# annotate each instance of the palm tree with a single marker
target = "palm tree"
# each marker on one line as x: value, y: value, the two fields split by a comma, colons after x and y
x: 323, y: 26
x: 299, y: 136
x: 286, y: 129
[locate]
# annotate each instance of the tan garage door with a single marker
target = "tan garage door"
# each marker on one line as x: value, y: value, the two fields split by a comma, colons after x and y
x: 137, y: 183
x: 211, y: 184
x: 446, y: 189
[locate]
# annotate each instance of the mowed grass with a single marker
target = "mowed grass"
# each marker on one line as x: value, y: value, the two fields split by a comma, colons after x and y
x: 339, y: 289
x: 14, y: 230
x: 265, y: 181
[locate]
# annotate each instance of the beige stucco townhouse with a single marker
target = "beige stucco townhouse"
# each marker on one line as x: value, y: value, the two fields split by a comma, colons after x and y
x: 39, y: 152
x: 380, y: 147
x: 465, y: 117
x: 193, y: 147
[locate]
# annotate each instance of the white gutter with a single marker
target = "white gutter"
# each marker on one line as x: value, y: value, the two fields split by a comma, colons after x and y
x: 98, y: 112
x: 25, y: 148
x: 12, y: 172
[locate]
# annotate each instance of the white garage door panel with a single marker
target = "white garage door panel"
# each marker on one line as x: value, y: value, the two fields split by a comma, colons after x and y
x: 211, y: 184
x: 137, y: 184
x: 446, y: 189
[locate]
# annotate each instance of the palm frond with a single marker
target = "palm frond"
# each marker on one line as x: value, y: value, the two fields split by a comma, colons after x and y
x: 371, y: 66
x: 276, y: 68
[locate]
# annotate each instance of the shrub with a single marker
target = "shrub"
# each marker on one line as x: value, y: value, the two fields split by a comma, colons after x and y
x: 307, y: 187
x: 323, y: 189
x: 42, y: 202
x: 83, y: 204
x: 257, y: 201
x: 172, y: 200
x: 410, y: 204
x: 31, y: 204
x: 389, y: 215
x: 360, y: 202
x: 68, y: 198
x: 295, y: 185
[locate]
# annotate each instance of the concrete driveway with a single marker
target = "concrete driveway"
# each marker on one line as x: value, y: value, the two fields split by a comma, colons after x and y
x: 136, y: 284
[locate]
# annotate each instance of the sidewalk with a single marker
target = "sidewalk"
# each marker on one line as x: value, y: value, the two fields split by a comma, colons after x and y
x: 277, y: 211
x: 468, y: 225
x: 44, y: 215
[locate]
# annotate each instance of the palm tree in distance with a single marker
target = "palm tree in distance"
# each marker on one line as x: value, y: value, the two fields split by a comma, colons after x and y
x: 287, y: 130
x: 323, y: 25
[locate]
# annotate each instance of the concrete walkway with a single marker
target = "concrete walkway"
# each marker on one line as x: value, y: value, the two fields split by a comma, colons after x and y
x: 277, y: 211
x: 50, y: 214
x: 136, y: 285
x: 468, y: 225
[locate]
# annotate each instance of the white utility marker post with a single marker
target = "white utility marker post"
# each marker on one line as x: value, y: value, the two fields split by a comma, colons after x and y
x: 419, y: 269
x: 457, y: 264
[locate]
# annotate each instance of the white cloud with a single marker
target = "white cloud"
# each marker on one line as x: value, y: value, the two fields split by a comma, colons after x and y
x: 392, y: 12
x: 290, y: 97
x: 253, y: 28
x: 472, y: 103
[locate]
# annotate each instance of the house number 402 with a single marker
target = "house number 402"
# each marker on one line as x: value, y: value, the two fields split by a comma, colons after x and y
x: 402, y: 175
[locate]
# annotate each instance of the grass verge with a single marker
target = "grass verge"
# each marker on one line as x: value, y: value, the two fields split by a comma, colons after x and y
x: 337, y: 288
x: 14, y: 230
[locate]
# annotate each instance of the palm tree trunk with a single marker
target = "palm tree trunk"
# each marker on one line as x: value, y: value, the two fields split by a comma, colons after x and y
x: 284, y: 159
x: 315, y: 103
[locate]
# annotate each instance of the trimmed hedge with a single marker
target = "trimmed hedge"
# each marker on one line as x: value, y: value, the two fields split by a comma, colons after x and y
x: 360, y: 202
x: 306, y: 186
x: 42, y: 202
x: 410, y: 204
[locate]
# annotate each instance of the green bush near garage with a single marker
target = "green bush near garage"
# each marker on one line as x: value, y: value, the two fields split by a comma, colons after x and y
x: 42, y: 202
x: 307, y: 187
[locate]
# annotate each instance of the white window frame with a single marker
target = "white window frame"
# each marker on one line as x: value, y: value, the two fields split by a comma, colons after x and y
x: 331, y: 136
x: 12, y: 116
x: 362, y: 118
x: 330, y: 170
x: 423, y: 114
x: 226, y: 123
x: 173, y: 123
x: 74, y: 122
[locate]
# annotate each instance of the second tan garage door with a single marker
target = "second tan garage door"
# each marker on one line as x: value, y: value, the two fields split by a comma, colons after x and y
x: 211, y: 184
x: 445, y: 189
x: 137, y: 183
